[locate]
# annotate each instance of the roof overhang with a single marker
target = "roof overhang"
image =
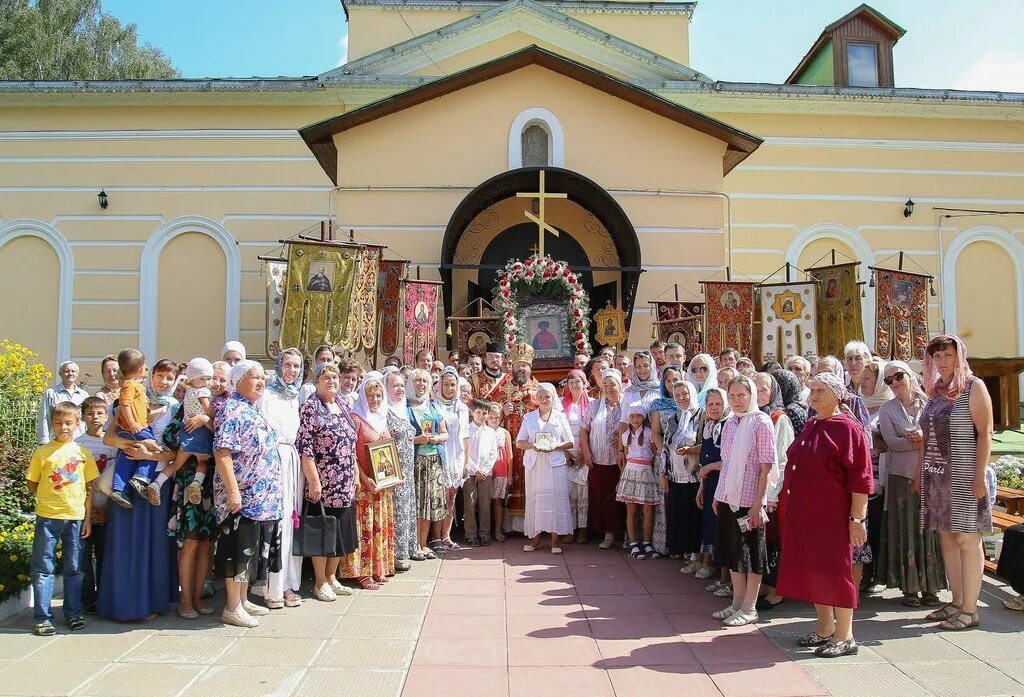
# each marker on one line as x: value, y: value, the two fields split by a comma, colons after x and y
x: 320, y: 136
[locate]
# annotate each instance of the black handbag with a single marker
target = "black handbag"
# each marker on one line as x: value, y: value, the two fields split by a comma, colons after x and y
x: 317, y: 535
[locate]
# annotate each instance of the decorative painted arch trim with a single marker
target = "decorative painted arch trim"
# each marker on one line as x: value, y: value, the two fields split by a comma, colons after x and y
x: 549, y: 122
x: 865, y: 255
x: 981, y: 233
x: 149, y: 281
x: 36, y: 228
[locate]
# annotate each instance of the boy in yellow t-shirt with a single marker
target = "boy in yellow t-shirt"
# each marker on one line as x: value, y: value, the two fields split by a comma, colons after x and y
x: 61, y: 475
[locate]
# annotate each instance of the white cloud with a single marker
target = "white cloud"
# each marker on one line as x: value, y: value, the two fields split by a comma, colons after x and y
x: 343, y: 47
x: 1001, y: 71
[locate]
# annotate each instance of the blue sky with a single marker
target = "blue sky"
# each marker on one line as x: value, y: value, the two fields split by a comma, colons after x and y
x: 949, y: 43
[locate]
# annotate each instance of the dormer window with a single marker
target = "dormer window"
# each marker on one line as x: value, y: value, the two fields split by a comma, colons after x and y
x: 862, y: 64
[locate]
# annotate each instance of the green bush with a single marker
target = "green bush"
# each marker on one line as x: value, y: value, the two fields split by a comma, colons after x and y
x: 15, y: 555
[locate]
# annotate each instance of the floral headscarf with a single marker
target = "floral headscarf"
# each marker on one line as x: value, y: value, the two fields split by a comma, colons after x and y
x: 933, y: 383
x: 790, y: 389
x: 666, y: 404
x: 277, y: 383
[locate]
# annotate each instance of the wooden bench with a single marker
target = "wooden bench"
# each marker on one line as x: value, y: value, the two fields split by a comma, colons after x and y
x: 1013, y: 499
x: 1001, y: 521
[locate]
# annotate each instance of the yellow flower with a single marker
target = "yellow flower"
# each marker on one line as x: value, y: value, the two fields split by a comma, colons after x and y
x: 14, y: 557
x: 2, y: 586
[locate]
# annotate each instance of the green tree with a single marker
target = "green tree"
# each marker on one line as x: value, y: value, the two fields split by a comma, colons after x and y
x: 73, y: 40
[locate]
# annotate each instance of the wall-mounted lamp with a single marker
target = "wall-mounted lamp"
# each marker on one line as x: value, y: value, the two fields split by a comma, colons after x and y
x: 102, y: 196
x: 908, y: 209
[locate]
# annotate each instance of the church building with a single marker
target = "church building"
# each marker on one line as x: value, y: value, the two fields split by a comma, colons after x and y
x: 135, y: 213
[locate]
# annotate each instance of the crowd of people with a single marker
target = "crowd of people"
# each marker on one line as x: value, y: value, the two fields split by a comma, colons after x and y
x: 814, y: 481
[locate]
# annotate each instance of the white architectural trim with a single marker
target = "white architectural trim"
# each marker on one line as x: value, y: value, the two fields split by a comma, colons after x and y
x: 865, y: 255
x: 549, y: 122
x: 73, y: 159
x: 876, y: 170
x: 65, y: 293
x: 888, y: 144
x: 191, y: 134
x: 981, y: 233
x: 150, y: 269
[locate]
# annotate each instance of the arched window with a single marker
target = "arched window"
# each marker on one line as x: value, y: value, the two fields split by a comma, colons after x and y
x: 536, y: 139
x: 536, y: 143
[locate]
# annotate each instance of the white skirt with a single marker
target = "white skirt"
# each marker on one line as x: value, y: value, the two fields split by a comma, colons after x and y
x: 547, y: 500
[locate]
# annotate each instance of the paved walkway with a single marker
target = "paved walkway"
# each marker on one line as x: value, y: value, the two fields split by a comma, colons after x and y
x: 498, y: 621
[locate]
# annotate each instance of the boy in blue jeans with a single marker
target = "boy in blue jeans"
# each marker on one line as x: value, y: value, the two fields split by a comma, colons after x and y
x: 61, y: 475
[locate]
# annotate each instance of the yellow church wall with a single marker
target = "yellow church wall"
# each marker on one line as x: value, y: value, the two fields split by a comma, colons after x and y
x: 985, y: 280
x: 190, y: 315
x: 30, y: 275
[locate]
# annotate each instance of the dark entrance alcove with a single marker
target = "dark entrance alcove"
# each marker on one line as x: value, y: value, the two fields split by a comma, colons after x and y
x: 579, y: 189
x: 519, y: 242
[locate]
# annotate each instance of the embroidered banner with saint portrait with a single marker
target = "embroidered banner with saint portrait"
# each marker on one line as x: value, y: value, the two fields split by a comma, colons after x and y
x: 419, y: 316
x: 274, y: 271
x: 318, y: 293
x: 901, y: 315
x: 837, y: 300
x: 686, y: 331
x: 729, y: 316
x: 388, y: 297
x: 788, y: 325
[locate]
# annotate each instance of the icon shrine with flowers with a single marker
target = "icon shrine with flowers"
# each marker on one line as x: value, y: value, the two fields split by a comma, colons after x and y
x: 543, y: 304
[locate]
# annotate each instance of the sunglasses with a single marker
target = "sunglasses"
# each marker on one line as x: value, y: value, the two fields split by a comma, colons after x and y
x: 700, y: 369
x: 895, y: 377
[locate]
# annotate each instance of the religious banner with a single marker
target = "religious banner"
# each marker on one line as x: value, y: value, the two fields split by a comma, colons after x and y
x: 275, y: 271
x: 388, y: 297
x: 686, y: 331
x: 472, y: 334
x: 665, y: 310
x: 318, y: 293
x: 901, y: 316
x: 837, y: 301
x: 730, y: 316
x: 420, y: 317
x: 788, y: 324
x: 361, y: 329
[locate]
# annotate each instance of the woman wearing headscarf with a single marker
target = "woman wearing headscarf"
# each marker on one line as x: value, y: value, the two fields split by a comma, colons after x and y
x: 658, y: 409
x: 909, y: 558
x: 749, y: 467
x: 326, y: 442
x: 431, y: 433
x: 643, y: 387
x: 709, y: 436
x: 247, y: 495
x: 824, y: 502
x: 702, y: 374
x: 874, y: 393
x: 600, y: 450
x: 546, y: 437
x: 375, y: 516
x: 772, y: 401
x: 404, y: 495
x: 232, y: 352
x: 456, y: 448
x: 852, y: 401
x: 957, y: 428
x: 675, y: 441
x: 575, y: 403
x: 279, y: 406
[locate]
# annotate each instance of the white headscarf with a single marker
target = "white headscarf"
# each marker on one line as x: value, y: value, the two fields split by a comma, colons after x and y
x: 556, y: 405
x: 882, y: 394
x: 602, y: 404
x: 399, y: 407
x: 710, y: 381
x: 240, y: 370
x: 378, y: 419
x: 732, y: 486
x: 236, y: 346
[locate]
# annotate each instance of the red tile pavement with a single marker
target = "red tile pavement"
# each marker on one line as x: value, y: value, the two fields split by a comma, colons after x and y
x: 589, y: 622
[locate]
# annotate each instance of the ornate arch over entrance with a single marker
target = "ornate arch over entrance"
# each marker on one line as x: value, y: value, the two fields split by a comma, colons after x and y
x: 605, y: 212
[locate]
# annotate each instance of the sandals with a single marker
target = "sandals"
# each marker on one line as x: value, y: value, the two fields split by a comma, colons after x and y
x: 368, y: 584
x: 556, y: 550
x: 607, y: 542
x: 427, y: 553
x: 401, y: 566
x: 273, y: 603
x: 814, y: 639
x: 438, y: 548
x: 724, y: 613
x: 485, y: 541
x: 943, y: 613
x: 835, y: 649
x: 635, y: 551
x: 529, y: 548
x: 188, y: 614
x: 957, y: 622
x: 650, y: 552
x: 911, y: 600
x: 499, y: 537
x: 473, y: 541
x: 1016, y: 604
x: 292, y: 600
x: 724, y: 591
x: 415, y: 556
x: 450, y: 545
x: 930, y: 599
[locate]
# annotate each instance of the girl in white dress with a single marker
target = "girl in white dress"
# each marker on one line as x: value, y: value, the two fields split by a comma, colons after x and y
x: 545, y: 436
x: 456, y: 417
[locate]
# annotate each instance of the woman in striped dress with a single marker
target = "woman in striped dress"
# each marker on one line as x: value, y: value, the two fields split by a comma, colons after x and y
x: 957, y: 430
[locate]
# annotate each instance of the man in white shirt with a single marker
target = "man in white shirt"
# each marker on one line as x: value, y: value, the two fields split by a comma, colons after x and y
x: 67, y: 390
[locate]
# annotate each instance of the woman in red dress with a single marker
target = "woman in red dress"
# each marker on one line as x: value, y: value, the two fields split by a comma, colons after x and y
x: 824, y: 498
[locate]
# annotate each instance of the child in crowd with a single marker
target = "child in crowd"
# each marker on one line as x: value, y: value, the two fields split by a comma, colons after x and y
x: 499, y: 474
x: 198, y: 400
x: 637, y: 486
x: 219, y: 385
x: 132, y: 422
x: 60, y: 474
x: 94, y: 413
x: 709, y: 435
x: 476, y: 490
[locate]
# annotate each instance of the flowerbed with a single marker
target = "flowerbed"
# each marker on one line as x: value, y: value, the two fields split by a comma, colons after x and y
x: 1010, y: 472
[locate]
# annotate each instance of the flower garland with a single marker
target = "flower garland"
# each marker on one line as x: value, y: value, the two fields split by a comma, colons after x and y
x: 542, y: 276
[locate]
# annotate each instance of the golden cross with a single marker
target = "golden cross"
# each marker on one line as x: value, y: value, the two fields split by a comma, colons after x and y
x: 542, y: 224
